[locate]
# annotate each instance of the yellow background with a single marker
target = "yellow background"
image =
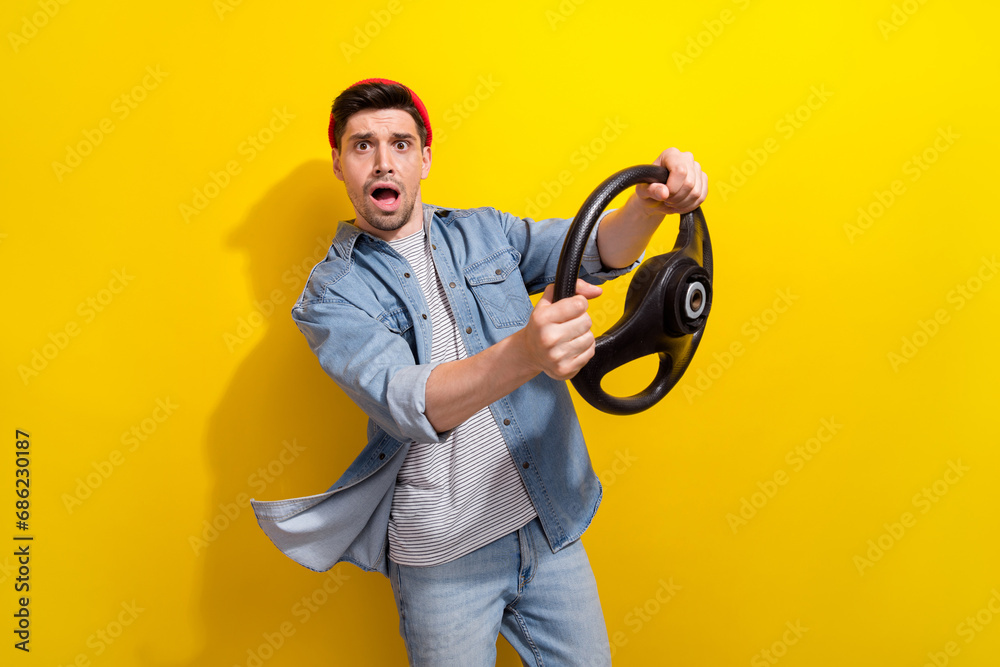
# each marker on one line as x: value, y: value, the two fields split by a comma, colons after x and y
x: 515, y: 93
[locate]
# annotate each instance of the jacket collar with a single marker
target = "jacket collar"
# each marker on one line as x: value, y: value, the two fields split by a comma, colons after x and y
x: 348, y: 233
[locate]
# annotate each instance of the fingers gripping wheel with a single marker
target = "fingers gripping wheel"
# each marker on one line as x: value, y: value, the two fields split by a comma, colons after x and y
x: 666, y: 306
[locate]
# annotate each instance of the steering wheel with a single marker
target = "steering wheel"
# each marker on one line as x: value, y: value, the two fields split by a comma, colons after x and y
x: 666, y: 306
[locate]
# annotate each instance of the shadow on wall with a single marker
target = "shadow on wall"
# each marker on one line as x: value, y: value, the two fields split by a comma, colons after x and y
x: 284, y: 429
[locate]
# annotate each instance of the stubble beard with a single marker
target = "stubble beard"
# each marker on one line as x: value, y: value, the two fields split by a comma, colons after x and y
x: 382, y: 220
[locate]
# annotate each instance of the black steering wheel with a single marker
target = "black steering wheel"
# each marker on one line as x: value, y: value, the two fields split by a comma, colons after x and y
x: 666, y: 306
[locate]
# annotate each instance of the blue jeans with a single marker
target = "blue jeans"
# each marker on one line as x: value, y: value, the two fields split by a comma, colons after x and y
x: 545, y: 604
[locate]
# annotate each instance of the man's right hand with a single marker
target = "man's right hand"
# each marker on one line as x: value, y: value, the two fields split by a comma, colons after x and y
x: 557, y: 339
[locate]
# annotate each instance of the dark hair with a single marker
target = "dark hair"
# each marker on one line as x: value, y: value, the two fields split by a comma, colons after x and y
x: 374, y: 95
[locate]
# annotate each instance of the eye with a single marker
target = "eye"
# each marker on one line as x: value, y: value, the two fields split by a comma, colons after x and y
x: 401, y: 145
x: 362, y: 145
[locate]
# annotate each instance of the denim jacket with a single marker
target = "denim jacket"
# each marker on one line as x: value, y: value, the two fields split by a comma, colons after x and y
x: 361, y: 312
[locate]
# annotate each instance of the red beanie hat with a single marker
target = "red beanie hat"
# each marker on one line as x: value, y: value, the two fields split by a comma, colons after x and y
x: 416, y: 102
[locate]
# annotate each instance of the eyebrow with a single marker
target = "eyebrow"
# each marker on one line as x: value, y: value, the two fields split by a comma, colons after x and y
x: 368, y: 136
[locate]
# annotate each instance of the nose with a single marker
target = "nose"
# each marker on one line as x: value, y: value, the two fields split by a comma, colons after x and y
x: 383, y: 165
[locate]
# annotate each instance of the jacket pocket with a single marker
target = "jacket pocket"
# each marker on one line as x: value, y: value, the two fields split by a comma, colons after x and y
x: 497, y: 285
x: 398, y: 322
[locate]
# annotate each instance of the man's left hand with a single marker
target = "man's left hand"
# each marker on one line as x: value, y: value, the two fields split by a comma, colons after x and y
x: 684, y: 190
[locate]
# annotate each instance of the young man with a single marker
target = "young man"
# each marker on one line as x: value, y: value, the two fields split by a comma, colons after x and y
x: 475, y: 485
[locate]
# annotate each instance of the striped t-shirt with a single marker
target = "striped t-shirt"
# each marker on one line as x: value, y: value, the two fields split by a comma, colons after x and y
x: 455, y: 496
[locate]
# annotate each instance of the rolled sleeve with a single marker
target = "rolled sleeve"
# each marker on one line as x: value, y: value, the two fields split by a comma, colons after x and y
x: 406, y: 397
x: 372, y: 365
x: 540, y: 244
x: 591, y: 262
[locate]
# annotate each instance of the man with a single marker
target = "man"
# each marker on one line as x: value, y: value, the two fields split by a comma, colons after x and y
x: 475, y: 485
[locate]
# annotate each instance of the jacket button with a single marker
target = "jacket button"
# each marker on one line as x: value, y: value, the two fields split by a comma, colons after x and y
x: 451, y: 284
x: 468, y: 329
x: 506, y: 422
x: 434, y: 246
x: 423, y: 316
x: 406, y: 275
x: 381, y: 456
x: 499, y: 271
x: 524, y: 465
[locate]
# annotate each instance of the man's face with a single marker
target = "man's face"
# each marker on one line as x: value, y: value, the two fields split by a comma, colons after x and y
x: 382, y: 164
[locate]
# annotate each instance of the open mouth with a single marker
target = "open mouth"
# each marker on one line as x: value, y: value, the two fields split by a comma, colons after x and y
x: 386, y: 197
